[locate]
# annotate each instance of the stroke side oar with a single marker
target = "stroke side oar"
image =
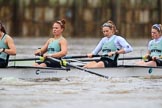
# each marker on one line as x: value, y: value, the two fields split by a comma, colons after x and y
x: 28, y: 59
x: 64, y: 63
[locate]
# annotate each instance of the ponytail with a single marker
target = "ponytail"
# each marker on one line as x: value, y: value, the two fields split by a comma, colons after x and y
x: 2, y: 29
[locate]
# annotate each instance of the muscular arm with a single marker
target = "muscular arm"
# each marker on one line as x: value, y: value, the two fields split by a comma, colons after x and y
x: 125, y: 46
x: 12, y: 48
x: 98, y: 47
x: 43, y: 48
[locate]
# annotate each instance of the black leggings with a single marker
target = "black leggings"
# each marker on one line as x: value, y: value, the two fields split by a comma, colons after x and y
x: 3, y: 63
x: 108, y: 62
x: 51, y: 63
x: 158, y: 62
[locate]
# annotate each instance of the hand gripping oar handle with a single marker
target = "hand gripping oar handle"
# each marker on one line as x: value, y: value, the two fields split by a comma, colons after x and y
x: 64, y: 63
x: 150, y: 58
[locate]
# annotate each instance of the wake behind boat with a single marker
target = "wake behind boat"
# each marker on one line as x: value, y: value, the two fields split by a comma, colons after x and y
x: 29, y: 72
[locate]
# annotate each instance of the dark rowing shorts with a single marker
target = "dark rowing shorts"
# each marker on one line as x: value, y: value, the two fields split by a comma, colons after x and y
x: 3, y: 63
x: 158, y: 62
x: 51, y: 63
x: 108, y: 62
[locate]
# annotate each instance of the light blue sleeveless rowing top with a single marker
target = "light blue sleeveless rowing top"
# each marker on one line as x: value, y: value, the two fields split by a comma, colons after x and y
x: 108, y: 47
x: 3, y: 45
x: 54, y: 46
x: 156, y: 48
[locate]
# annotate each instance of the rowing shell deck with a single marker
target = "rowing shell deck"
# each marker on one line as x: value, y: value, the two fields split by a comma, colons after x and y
x: 122, y: 71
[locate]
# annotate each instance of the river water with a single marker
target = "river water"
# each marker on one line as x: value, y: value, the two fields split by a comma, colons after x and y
x: 82, y: 92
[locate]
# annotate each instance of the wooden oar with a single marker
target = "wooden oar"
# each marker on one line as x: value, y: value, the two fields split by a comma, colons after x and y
x: 64, y: 63
x: 27, y: 59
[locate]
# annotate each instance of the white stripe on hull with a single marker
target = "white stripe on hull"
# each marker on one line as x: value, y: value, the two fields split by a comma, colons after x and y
x: 34, y: 73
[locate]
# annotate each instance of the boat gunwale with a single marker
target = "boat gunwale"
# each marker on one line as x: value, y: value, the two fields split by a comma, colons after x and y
x: 33, y: 67
x: 69, y: 68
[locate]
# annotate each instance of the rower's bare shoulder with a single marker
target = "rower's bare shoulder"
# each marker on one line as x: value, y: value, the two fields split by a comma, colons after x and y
x: 49, y: 40
x: 63, y: 39
x: 9, y: 38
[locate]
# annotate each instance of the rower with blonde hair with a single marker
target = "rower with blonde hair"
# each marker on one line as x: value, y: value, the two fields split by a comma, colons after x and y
x: 111, y: 45
x: 154, y: 52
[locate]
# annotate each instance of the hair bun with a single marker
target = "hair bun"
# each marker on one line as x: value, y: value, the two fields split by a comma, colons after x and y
x: 113, y: 26
x: 109, y: 21
x: 63, y: 21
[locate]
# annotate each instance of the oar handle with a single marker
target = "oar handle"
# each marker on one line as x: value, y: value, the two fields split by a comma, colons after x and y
x: 150, y: 58
x: 69, y: 57
x: 130, y: 58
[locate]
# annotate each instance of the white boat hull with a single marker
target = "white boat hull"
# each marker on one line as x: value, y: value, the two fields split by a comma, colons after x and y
x: 37, y: 73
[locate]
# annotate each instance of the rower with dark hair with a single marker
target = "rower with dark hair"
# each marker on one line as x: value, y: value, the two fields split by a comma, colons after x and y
x: 55, y: 47
x: 7, y: 47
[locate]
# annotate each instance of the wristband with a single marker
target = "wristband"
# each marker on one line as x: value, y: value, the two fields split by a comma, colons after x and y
x: 3, y: 50
x: 116, y: 52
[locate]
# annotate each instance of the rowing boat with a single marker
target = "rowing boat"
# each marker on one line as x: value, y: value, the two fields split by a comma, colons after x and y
x: 29, y: 72
x: 75, y: 69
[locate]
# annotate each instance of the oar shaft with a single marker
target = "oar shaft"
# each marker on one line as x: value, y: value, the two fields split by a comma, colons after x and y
x: 80, y: 68
x: 77, y: 67
x: 85, y: 56
x: 81, y: 56
x: 26, y: 59
x: 96, y: 59
x: 130, y: 58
